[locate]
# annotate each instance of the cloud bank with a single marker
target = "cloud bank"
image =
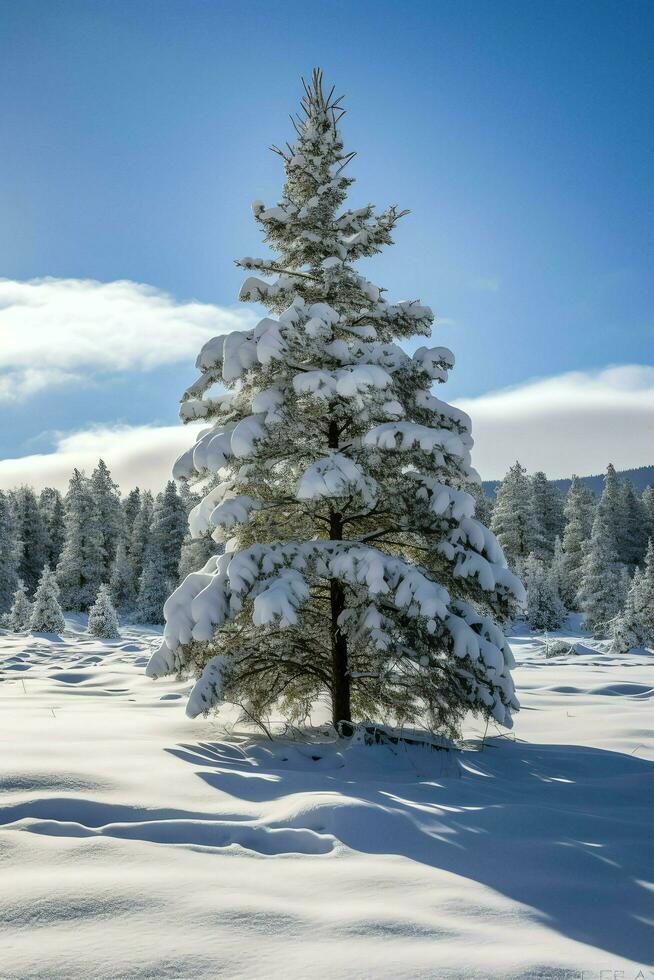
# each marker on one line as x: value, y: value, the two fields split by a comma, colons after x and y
x: 571, y: 423
x: 575, y: 422
x: 54, y: 331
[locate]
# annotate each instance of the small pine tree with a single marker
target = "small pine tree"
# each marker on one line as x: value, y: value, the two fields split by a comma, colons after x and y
x: 121, y: 585
x: 102, y: 616
x: 47, y: 616
x: 513, y: 521
x: 626, y: 628
x: 154, y: 589
x: 20, y: 614
x: 545, y: 611
x: 601, y: 592
x: 579, y: 511
x: 8, y: 554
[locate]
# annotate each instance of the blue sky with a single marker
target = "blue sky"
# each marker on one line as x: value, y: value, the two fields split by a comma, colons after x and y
x: 135, y: 136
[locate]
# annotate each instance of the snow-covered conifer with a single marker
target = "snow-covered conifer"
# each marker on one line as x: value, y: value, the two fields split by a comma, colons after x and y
x: 513, y: 521
x: 545, y: 611
x: 131, y: 505
x: 154, y: 587
x: 140, y: 537
x: 354, y: 566
x: 626, y: 628
x: 82, y: 563
x: 47, y: 616
x: 169, y: 528
x: 579, y: 512
x: 547, y: 504
x: 19, y: 615
x: 644, y: 598
x: 8, y: 554
x: 601, y: 592
x: 633, y: 544
x: 122, y: 585
x: 483, y: 504
x: 53, y: 513
x: 31, y: 536
x: 110, y: 514
x: 647, y: 500
x: 102, y: 616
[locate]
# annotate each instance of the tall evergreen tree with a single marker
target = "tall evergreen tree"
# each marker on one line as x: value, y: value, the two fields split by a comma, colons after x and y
x: 110, y: 514
x: 579, y: 513
x: 633, y: 543
x: 131, y: 506
x: 8, y: 554
x: 140, y: 537
x: 122, y: 584
x: 547, y: 503
x: 53, y: 513
x: 644, y: 598
x: 169, y: 528
x: 513, y: 521
x: 31, y: 536
x: 154, y: 588
x: 82, y: 564
x: 47, y: 616
x: 601, y: 592
x: 647, y: 501
x: 355, y: 567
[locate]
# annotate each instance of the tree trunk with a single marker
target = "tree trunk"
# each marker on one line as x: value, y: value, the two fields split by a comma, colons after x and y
x: 341, y: 706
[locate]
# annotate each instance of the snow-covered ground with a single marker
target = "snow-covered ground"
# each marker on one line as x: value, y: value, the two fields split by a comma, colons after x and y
x: 136, y: 843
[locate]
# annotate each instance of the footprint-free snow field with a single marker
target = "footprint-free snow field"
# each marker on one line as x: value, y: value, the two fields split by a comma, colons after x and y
x: 137, y: 843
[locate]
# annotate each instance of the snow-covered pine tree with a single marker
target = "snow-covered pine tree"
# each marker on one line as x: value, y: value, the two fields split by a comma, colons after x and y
x: 514, y: 522
x: 47, y: 616
x: 632, y: 547
x: 601, y: 592
x: 53, y: 513
x: 131, y: 505
x: 31, y: 536
x: 626, y: 630
x: 122, y: 586
x: 483, y: 504
x: 545, y: 611
x: 110, y: 513
x: 8, y: 554
x: 354, y: 566
x: 140, y: 537
x: 196, y: 551
x: 579, y: 512
x: 19, y: 615
x: 547, y: 503
x: 82, y: 562
x: 644, y: 598
x: 103, y: 620
x: 169, y: 528
x: 154, y: 587
x: 647, y: 500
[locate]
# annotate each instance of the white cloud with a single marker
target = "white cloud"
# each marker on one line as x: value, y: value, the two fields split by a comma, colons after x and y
x: 140, y: 455
x: 571, y: 423
x: 575, y: 422
x: 53, y: 331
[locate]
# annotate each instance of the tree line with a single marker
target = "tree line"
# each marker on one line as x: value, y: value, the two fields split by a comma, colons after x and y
x: 577, y: 553
x: 137, y: 547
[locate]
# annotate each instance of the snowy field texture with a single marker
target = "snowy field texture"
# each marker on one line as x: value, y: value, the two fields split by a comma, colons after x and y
x: 137, y: 843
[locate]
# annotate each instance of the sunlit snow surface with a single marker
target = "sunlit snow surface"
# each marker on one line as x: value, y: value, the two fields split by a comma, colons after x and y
x: 137, y: 843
